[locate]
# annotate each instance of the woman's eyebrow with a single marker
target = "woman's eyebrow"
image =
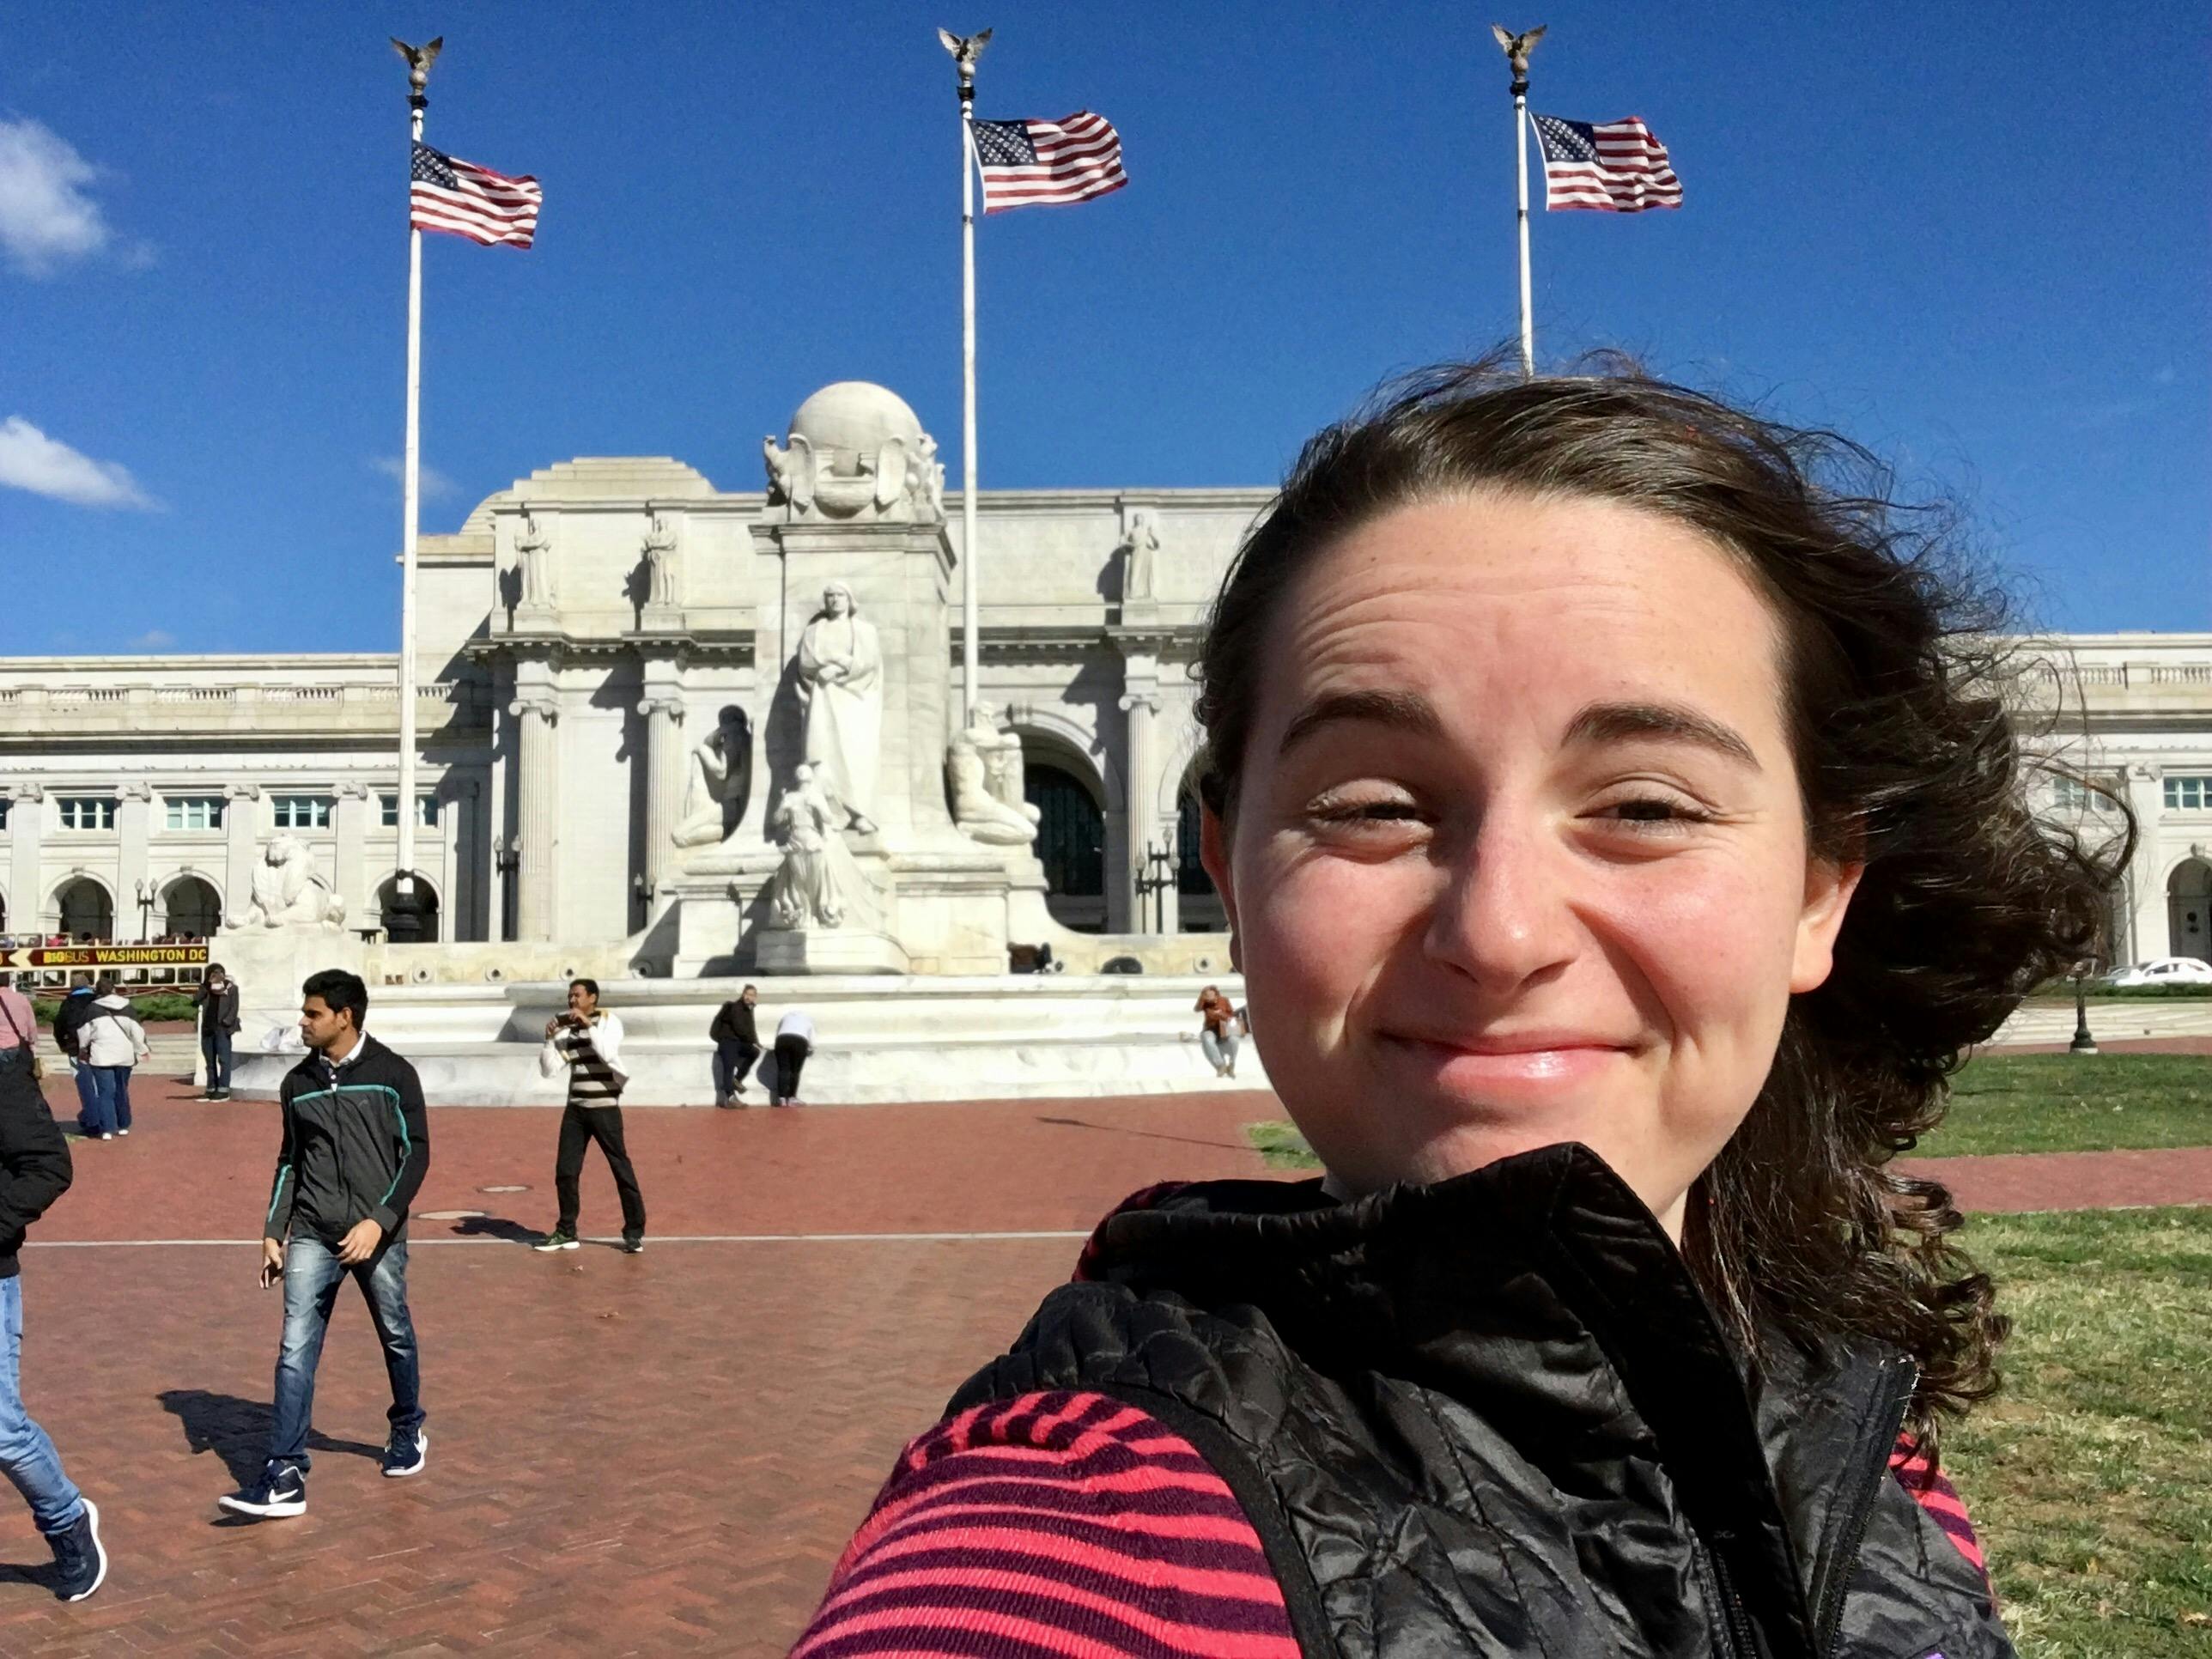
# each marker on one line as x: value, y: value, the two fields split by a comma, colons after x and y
x: 1407, y: 711
x: 1619, y: 722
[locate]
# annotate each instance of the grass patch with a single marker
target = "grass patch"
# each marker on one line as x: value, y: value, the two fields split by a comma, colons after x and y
x: 1281, y: 1146
x: 2090, y: 1478
x: 2076, y: 1103
x: 159, y: 1005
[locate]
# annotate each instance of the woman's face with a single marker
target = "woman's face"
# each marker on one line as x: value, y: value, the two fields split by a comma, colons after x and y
x: 1519, y: 857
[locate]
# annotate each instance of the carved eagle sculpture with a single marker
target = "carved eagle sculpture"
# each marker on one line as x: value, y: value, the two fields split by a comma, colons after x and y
x: 965, y: 50
x: 1517, y: 47
x: 419, y: 59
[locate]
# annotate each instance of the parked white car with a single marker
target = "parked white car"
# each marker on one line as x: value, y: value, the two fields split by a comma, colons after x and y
x: 2165, y: 970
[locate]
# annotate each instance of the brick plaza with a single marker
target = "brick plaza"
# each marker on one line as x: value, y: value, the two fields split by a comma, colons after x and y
x: 660, y: 1454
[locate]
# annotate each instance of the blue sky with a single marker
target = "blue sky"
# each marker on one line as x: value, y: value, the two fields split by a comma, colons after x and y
x: 1973, y: 237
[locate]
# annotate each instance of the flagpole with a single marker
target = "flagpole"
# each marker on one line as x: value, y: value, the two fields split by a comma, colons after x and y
x: 1516, y: 48
x: 965, y: 51
x: 404, y: 925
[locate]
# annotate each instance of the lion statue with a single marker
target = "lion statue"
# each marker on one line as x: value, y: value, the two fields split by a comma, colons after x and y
x: 286, y: 891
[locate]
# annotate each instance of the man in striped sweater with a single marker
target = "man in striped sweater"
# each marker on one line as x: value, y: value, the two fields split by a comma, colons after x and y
x: 587, y: 1041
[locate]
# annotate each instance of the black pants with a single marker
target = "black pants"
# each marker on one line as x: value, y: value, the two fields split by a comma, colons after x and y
x: 580, y: 1126
x: 790, y: 1054
x: 733, y: 1059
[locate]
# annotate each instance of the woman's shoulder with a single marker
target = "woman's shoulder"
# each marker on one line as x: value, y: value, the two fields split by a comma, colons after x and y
x: 1053, y: 1520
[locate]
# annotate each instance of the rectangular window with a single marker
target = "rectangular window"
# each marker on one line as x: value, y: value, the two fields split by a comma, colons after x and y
x: 426, y: 811
x: 193, y: 811
x: 2188, y: 792
x: 86, y: 813
x: 303, y: 812
x: 2072, y: 795
x: 4, y: 804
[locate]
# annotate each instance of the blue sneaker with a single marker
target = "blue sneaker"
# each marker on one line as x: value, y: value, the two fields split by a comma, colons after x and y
x: 410, y: 1448
x: 283, y: 1491
x: 80, y: 1559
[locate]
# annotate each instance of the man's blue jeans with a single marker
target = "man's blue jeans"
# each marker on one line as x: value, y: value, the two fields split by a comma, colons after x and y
x: 88, y: 1097
x: 27, y: 1455
x: 216, y: 1046
x: 312, y: 1275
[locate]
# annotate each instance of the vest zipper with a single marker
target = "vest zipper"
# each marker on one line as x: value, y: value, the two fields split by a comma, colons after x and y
x: 1741, y: 1641
x: 1894, y: 1384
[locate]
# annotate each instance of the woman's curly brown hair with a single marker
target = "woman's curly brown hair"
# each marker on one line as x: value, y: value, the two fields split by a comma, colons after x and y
x: 1899, y: 680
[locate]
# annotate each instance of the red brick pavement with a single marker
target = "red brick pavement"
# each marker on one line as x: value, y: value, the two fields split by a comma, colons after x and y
x: 652, y: 1454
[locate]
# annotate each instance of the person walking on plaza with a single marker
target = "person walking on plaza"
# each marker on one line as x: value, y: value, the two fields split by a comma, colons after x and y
x: 35, y: 1171
x: 1218, y: 1035
x: 355, y: 1148
x: 110, y: 1042
x: 737, y: 1046
x: 216, y: 1005
x: 588, y: 1040
x: 794, y: 1041
x: 67, y: 1018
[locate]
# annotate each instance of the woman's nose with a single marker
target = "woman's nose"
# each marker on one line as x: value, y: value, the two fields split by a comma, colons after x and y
x: 1503, y: 912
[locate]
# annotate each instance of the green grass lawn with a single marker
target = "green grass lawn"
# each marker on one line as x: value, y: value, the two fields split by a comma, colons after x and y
x: 2076, y: 1103
x: 2090, y: 1477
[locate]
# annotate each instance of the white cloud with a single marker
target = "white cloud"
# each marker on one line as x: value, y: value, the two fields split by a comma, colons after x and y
x: 46, y: 219
x: 433, y: 483
x: 154, y: 638
x: 46, y: 466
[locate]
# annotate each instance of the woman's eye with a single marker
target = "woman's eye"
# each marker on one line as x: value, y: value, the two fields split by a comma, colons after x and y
x: 1655, y: 810
x: 1358, y: 813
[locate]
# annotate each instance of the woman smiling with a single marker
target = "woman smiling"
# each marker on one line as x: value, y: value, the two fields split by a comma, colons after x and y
x: 1621, y: 835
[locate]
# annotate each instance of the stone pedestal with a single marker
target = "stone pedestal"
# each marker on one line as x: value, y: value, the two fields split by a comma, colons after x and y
x: 828, y: 950
x: 268, y: 965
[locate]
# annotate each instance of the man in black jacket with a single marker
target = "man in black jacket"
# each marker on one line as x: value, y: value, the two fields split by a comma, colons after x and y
x: 737, y: 1046
x: 215, y: 1004
x: 75, y: 1009
x: 356, y: 1146
x: 35, y: 1171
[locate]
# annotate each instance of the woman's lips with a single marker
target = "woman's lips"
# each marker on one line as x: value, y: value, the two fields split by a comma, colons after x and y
x: 1537, y: 1064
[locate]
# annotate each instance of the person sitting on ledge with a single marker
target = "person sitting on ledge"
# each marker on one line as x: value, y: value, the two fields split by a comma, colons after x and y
x: 1621, y: 834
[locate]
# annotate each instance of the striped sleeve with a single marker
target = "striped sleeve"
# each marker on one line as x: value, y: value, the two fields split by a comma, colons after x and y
x: 1939, y: 1497
x: 1053, y: 1526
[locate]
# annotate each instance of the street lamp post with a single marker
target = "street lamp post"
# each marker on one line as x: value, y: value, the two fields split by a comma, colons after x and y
x: 147, y: 891
x: 507, y: 859
x: 2083, y: 1043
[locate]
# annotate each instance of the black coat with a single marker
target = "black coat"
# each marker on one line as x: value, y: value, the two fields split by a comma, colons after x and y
x: 34, y: 1161
x: 218, y: 1009
x: 1495, y: 1417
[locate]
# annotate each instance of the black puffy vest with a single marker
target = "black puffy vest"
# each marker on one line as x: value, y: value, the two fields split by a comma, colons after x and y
x: 1495, y: 1417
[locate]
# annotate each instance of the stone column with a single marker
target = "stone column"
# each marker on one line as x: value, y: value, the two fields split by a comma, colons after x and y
x: 241, y: 829
x: 134, y: 807
x: 2148, y: 922
x: 1140, y: 708
x: 666, y: 761
x: 539, y: 815
x: 349, y: 878
x: 26, y: 825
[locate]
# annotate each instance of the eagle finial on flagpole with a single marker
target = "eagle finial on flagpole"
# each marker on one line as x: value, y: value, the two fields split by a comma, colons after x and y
x: 419, y: 59
x: 1516, y: 48
x: 965, y: 50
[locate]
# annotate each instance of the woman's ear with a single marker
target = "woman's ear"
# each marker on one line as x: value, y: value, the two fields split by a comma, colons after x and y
x: 1214, y: 841
x: 1829, y: 886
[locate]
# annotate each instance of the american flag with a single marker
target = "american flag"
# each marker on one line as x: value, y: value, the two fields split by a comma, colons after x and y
x: 450, y: 194
x: 1615, y: 166
x: 1027, y: 163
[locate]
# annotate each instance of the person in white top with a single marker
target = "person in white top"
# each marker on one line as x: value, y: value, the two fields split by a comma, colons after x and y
x: 794, y: 1041
x: 110, y: 1042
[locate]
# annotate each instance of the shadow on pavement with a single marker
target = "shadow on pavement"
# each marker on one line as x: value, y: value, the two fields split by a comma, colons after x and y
x: 497, y: 1226
x: 1141, y: 1135
x: 236, y: 1430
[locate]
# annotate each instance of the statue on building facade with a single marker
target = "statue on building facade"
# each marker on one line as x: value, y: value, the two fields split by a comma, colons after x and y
x: 984, y: 783
x: 818, y: 879
x: 534, y: 551
x: 926, y: 479
x: 288, y: 892
x: 720, y: 763
x: 841, y: 671
x: 660, y: 562
x: 1139, y: 544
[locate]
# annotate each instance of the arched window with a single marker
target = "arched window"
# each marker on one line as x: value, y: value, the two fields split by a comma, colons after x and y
x: 1071, y: 843
x: 191, y: 907
x: 424, y: 892
x: 86, y: 908
x: 2189, y: 910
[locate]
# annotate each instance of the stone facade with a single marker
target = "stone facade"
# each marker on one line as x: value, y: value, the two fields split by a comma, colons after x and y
x: 584, y: 630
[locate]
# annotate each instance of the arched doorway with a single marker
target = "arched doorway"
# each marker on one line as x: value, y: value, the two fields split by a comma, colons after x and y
x: 2189, y: 910
x: 1071, y: 844
x: 85, y: 907
x: 1198, y: 907
x: 425, y: 892
x: 191, y: 907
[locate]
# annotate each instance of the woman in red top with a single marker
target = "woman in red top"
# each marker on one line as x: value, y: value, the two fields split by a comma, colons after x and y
x: 1218, y: 1034
x: 1621, y: 834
